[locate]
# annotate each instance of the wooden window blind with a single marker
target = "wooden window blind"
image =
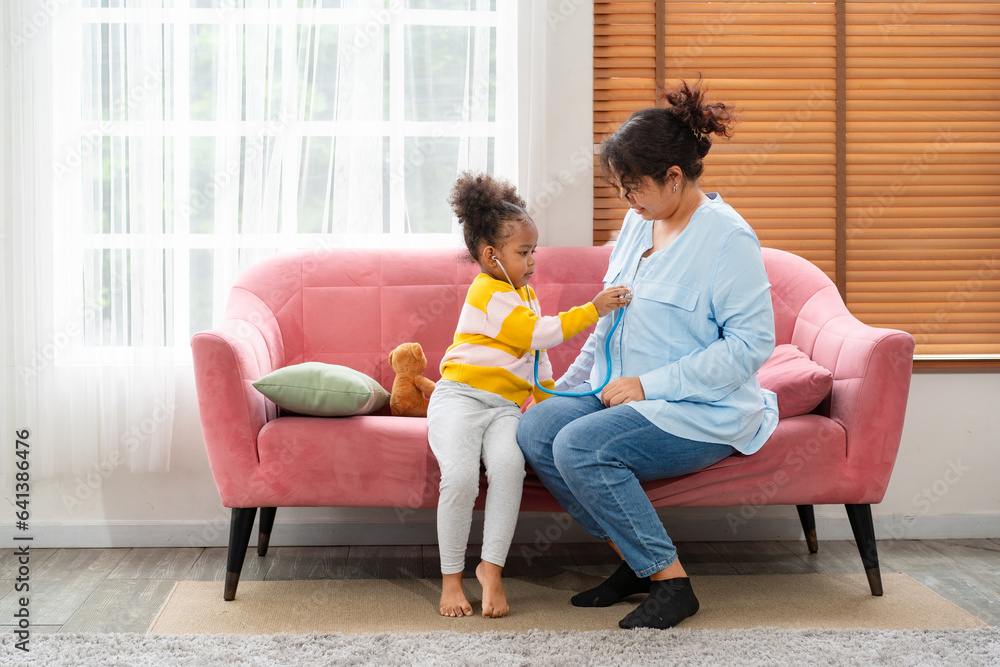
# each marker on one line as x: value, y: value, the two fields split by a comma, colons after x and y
x: 923, y: 171
x: 625, y: 77
x: 867, y: 143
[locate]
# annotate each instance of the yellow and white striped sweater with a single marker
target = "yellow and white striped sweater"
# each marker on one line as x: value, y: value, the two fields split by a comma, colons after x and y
x: 497, y: 333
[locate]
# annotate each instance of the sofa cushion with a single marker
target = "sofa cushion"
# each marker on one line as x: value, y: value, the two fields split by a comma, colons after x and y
x: 323, y: 390
x: 365, y: 461
x: 800, y: 383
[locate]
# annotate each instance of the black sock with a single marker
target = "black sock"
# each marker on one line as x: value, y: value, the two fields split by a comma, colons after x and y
x: 619, y: 585
x: 670, y: 601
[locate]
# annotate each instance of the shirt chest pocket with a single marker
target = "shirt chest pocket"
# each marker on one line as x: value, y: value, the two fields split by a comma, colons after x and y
x: 663, y: 318
x: 668, y: 294
x: 611, y: 277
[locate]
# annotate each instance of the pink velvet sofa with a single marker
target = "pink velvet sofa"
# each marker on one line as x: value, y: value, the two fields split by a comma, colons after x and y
x: 352, y: 307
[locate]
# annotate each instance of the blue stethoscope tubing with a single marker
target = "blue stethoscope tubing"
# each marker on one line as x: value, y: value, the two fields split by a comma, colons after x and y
x: 607, y: 348
x: 607, y: 356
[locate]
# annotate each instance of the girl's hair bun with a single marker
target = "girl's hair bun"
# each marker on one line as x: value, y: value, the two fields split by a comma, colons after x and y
x: 480, y: 199
x: 483, y: 203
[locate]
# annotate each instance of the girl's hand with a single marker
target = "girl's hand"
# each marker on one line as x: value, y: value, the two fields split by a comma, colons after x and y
x: 611, y: 299
x: 622, y: 390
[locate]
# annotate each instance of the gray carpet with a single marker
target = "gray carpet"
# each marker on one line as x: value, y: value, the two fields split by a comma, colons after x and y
x: 761, y: 646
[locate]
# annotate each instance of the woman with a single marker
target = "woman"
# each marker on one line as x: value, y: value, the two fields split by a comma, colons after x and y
x: 683, y: 392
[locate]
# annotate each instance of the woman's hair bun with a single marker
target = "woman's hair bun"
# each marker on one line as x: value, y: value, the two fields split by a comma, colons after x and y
x: 704, y: 119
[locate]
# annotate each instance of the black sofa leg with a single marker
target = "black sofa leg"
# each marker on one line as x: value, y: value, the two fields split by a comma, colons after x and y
x: 264, y: 532
x: 240, y: 527
x: 864, y: 534
x: 808, y: 519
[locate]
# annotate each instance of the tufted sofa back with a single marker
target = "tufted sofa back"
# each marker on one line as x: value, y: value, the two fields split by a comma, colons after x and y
x: 804, y: 300
x: 353, y: 306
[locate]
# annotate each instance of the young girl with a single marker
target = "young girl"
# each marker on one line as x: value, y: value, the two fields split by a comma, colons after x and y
x: 486, y: 375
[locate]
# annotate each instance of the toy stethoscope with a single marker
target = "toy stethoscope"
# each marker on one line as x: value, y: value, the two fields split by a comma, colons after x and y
x: 607, y: 345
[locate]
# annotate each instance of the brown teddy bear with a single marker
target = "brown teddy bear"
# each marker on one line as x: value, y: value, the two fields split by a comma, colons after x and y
x: 410, y: 389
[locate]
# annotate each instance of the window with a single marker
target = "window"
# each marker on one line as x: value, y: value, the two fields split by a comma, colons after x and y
x: 204, y: 135
x: 866, y: 144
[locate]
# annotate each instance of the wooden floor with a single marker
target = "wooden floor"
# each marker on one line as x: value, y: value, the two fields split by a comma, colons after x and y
x: 121, y: 590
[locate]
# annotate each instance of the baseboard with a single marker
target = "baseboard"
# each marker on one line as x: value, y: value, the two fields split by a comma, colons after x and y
x: 535, y: 529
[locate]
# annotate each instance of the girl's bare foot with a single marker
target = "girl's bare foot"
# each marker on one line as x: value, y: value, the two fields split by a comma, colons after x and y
x: 494, y: 598
x: 453, y: 600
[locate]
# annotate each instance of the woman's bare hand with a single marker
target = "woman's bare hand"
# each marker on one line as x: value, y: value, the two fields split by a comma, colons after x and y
x: 622, y: 390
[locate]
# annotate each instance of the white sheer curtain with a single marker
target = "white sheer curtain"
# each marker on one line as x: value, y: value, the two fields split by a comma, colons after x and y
x: 152, y: 151
x: 89, y: 370
x: 533, y: 85
x: 357, y: 170
x: 243, y: 83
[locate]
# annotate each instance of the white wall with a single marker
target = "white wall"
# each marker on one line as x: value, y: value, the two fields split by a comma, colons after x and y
x: 945, y: 483
x: 556, y: 120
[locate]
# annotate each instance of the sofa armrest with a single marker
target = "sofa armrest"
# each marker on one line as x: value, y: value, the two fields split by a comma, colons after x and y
x: 226, y: 363
x: 871, y: 369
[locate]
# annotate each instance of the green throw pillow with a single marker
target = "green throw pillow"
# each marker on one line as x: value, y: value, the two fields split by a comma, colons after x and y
x: 323, y: 390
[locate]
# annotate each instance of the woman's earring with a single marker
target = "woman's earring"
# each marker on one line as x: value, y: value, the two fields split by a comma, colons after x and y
x: 675, y: 187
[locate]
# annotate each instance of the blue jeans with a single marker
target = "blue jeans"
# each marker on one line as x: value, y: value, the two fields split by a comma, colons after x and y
x: 593, y: 458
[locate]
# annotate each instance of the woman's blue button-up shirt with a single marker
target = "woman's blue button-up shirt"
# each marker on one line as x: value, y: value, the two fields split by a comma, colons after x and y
x: 699, y: 326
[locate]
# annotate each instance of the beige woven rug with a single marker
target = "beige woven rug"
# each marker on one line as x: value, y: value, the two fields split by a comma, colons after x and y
x: 353, y: 606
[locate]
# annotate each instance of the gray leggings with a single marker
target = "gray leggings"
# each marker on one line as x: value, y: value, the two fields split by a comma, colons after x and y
x: 464, y: 425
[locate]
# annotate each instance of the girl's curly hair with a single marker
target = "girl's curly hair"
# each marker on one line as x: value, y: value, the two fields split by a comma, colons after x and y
x: 484, y: 206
